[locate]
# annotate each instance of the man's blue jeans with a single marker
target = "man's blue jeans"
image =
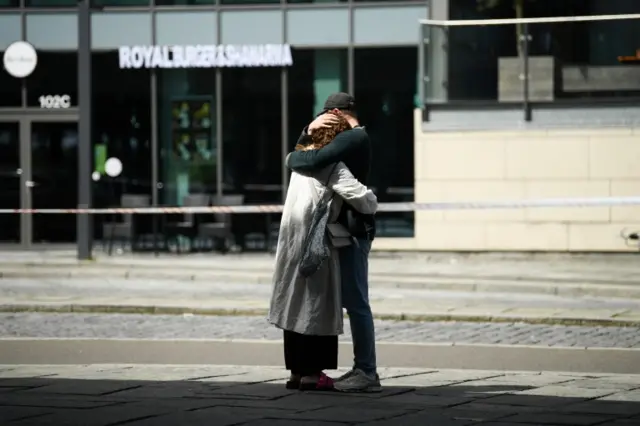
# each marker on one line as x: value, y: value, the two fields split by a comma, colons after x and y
x: 354, y: 265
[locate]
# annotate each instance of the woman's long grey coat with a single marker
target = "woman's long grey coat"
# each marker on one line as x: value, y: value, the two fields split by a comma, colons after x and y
x: 313, y: 305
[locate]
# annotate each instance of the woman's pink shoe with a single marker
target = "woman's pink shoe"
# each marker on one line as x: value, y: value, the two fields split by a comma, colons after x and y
x: 324, y: 383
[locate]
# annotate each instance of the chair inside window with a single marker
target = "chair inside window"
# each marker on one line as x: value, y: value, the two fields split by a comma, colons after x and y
x: 182, y: 236
x: 220, y: 230
x: 131, y: 228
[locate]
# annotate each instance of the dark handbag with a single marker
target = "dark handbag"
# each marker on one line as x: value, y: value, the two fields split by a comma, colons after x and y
x: 315, y: 246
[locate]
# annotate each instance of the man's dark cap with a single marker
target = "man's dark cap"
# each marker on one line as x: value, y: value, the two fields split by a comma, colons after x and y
x: 340, y: 100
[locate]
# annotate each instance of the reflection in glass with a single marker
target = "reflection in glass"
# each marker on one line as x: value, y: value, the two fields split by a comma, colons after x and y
x: 188, y: 157
x: 121, y: 129
x: 252, y: 141
x: 315, y: 74
x: 587, y: 60
x: 567, y: 60
x: 10, y: 180
x: 252, y: 133
x: 54, y: 159
x: 386, y: 111
x: 56, y: 74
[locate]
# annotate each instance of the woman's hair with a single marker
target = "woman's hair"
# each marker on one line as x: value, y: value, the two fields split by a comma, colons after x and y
x: 322, y: 137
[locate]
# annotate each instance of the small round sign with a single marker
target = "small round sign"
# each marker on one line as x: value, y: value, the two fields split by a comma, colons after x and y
x: 20, y: 59
x: 113, y: 167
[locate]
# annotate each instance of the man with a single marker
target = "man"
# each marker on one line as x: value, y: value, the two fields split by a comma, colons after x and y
x: 354, y: 149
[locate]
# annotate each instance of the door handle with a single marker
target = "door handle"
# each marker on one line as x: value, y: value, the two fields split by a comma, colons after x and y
x: 29, y: 184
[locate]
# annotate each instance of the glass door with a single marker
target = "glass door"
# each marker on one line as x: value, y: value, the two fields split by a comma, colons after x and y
x: 10, y: 175
x: 53, y: 182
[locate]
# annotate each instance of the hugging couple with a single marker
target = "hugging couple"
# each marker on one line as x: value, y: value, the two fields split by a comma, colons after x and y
x: 323, y: 253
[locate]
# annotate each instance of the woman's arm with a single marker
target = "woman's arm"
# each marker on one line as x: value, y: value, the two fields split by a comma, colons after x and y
x: 345, y: 143
x: 352, y: 191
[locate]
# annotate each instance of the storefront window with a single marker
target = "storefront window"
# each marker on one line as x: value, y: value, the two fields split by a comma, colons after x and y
x: 252, y: 133
x: 316, y: 1
x: 10, y: 89
x: 187, y: 129
x: 121, y: 2
x: 9, y: 3
x: 315, y: 74
x: 74, y: 3
x: 55, y: 77
x: 252, y: 149
x: 386, y: 111
x: 567, y: 59
x: 183, y: 2
x: 249, y: 1
x: 51, y: 3
x: 121, y: 129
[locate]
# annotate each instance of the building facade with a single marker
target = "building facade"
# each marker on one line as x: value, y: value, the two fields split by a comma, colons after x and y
x: 208, y: 96
x: 574, y: 134
x: 198, y: 96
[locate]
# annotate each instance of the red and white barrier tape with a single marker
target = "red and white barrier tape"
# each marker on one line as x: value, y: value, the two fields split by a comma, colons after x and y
x: 383, y: 207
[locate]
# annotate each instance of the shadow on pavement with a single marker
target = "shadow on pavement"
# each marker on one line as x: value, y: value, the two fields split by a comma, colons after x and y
x: 216, y: 402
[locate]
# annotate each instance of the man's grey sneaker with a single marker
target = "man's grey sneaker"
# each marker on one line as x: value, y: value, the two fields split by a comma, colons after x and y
x: 358, y: 381
x: 344, y: 376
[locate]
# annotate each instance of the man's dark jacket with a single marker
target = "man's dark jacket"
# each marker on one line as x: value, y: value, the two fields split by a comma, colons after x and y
x: 353, y: 148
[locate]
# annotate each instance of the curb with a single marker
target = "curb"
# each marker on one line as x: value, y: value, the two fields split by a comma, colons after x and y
x: 426, y: 317
x: 499, y: 358
x: 514, y: 285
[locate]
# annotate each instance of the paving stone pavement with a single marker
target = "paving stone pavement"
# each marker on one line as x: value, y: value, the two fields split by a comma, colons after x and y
x: 132, y: 326
x: 169, y: 395
x: 614, y: 275
x: 100, y: 294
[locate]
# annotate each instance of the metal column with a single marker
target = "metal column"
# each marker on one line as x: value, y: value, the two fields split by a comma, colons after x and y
x: 219, y: 142
x: 526, y: 105
x: 84, y: 224
x: 284, y: 140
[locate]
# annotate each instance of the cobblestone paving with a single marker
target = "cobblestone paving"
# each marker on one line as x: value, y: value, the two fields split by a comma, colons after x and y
x: 169, y: 395
x: 215, y: 327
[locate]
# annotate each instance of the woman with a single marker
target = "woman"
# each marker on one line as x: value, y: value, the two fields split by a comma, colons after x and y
x: 309, y: 310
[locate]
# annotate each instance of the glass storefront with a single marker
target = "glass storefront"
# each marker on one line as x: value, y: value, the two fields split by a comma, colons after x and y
x: 10, y: 180
x: 182, y: 131
x: 10, y: 90
x: 386, y: 111
x: 73, y: 3
x: 570, y: 62
x: 55, y: 75
x: 248, y: 161
x: 252, y: 134
x: 187, y: 133
x: 184, y: 2
x: 121, y: 129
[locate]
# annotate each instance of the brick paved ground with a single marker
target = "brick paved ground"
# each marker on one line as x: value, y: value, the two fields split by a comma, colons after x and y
x: 115, y: 395
x: 235, y: 327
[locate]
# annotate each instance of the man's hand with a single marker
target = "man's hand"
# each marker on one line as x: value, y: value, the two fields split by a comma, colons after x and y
x: 322, y: 121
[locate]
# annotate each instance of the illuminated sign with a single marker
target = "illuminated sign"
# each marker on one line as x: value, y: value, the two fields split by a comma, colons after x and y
x: 206, y: 56
x: 20, y: 59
